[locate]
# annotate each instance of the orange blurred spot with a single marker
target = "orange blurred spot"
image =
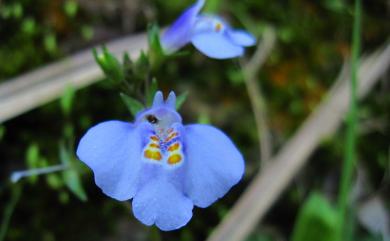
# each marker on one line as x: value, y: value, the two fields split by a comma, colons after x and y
x: 218, y: 27
x: 154, y: 138
x: 174, y: 159
x: 174, y: 147
x: 154, y: 145
x: 171, y: 136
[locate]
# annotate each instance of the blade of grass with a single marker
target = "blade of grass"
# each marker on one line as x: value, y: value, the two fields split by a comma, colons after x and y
x: 351, y: 137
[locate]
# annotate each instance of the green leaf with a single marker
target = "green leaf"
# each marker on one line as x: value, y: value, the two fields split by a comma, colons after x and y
x: 141, y: 68
x: 87, y: 32
x: 151, y: 92
x: 54, y: 181
x: 32, y: 156
x: 29, y: 26
x: 154, y: 39
x: 133, y: 105
x: 17, y: 10
x: 156, y: 52
x: 66, y: 100
x: 317, y: 220
x: 71, y: 176
x: 181, y: 99
x: 110, y: 65
x: 70, y: 8
x: 50, y: 42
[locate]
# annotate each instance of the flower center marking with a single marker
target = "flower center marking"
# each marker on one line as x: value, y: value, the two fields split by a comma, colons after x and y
x: 164, y: 149
x: 218, y: 27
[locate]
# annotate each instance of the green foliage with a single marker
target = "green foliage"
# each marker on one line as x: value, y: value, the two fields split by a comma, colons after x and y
x: 29, y: 26
x: 181, y: 99
x: 151, y: 91
x: 50, y: 42
x: 110, y: 65
x: 317, y: 220
x: 71, y: 176
x: 212, y: 6
x: 14, y: 10
x: 133, y: 105
x: 70, y: 8
x: 156, y: 52
x: 16, y: 191
x: 87, y: 32
x: 33, y: 159
x: 54, y: 181
x: 66, y: 100
x: 350, y: 149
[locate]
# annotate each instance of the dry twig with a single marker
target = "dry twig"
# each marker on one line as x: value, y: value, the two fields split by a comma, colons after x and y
x: 40, y: 86
x: 250, y: 70
x: 323, y: 122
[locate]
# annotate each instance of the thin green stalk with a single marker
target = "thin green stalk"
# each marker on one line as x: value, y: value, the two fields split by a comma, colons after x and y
x: 9, y: 209
x: 351, y: 137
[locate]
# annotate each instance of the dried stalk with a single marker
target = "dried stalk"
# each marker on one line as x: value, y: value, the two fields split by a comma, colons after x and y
x: 256, y: 97
x: 323, y: 122
x: 45, y: 84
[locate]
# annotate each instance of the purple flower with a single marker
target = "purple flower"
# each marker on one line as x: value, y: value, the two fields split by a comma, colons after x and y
x: 164, y: 166
x: 210, y: 34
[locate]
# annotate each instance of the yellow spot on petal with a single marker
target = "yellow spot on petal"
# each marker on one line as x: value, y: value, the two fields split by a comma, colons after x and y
x: 154, y: 145
x: 218, y: 27
x: 154, y: 138
x: 154, y: 155
x: 174, y: 147
x: 174, y: 159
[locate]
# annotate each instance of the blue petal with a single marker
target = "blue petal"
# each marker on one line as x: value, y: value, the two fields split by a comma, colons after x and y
x: 241, y: 37
x: 160, y: 203
x: 216, y: 45
x: 112, y: 150
x: 158, y: 99
x: 179, y: 33
x: 213, y: 164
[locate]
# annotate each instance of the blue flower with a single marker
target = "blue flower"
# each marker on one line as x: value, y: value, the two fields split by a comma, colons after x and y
x: 164, y: 166
x: 210, y: 34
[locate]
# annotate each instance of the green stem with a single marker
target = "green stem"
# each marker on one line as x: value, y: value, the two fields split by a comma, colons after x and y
x: 9, y: 209
x: 351, y: 137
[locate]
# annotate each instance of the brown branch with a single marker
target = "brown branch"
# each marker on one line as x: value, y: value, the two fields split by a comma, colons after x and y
x: 323, y: 122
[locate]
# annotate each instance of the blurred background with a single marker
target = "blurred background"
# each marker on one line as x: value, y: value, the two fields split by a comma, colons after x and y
x: 313, y: 41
